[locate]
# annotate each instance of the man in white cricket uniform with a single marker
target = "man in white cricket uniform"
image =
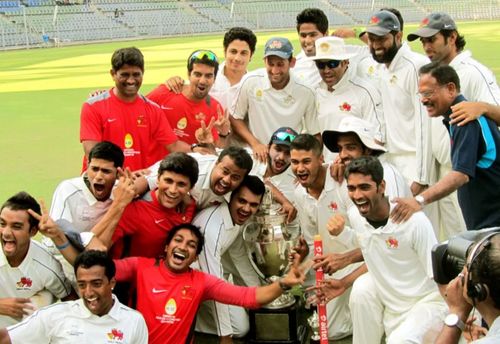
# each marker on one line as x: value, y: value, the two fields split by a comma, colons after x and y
x: 319, y: 197
x: 224, y: 254
x: 341, y: 93
x: 404, y: 301
x: 312, y: 23
x: 272, y: 98
x: 30, y: 277
x: 356, y: 137
x: 97, y: 317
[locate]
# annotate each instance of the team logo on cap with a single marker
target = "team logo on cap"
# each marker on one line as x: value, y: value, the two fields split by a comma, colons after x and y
x: 424, y: 22
x: 374, y: 20
x: 324, y: 47
x: 24, y: 282
x: 346, y: 107
x: 275, y: 44
x: 392, y: 242
x: 115, y: 334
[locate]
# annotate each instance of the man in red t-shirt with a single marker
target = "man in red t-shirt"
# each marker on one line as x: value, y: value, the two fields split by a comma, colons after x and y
x: 147, y: 221
x: 169, y: 291
x: 122, y: 116
x: 185, y: 111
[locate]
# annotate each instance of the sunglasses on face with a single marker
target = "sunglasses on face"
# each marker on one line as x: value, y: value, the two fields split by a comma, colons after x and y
x: 330, y: 64
x: 201, y: 54
x: 283, y: 136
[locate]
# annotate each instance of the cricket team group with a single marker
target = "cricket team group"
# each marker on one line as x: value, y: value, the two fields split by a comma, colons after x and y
x: 381, y: 151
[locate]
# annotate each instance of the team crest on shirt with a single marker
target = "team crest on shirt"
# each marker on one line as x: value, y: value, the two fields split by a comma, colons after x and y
x: 258, y: 93
x: 128, y: 140
x: 141, y: 122
x: 392, y: 242
x: 182, y: 123
x: 200, y: 117
x: 24, y: 283
x: 333, y: 206
x: 346, y: 107
x: 289, y: 100
x: 115, y: 336
x: 393, y: 79
x: 171, y: 307
x: 371, y: 70
x: 187, y: 292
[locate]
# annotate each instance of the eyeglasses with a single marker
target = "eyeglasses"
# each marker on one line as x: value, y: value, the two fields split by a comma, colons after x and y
x: 202, y: 54
x: 430, y: 93
x: 283, y: 136
x: 330, y: 63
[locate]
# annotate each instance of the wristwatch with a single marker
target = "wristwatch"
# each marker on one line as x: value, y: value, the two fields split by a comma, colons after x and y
x: 420, y: 200
x: 453, y: 320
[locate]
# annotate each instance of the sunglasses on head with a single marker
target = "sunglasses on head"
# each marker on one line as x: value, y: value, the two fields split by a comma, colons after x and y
x: 201, y: 54
x: 284, y: 136
x: 330, y: 63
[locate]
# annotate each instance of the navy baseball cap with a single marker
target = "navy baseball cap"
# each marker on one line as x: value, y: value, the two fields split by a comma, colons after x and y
x: 278, y: 46
x: 432, y: 24
x: 382, y: 22
x: 283, y: 136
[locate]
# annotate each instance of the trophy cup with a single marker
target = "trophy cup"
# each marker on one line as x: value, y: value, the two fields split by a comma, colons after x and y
x: 270, y: 241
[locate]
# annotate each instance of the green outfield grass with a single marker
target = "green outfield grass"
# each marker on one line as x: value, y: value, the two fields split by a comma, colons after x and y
x: 41, y: 92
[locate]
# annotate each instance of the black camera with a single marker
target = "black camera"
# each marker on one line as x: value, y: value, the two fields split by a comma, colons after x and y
x: 448, y: 258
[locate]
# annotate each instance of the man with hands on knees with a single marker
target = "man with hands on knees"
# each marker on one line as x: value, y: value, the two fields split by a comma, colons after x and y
x: 476, y: 286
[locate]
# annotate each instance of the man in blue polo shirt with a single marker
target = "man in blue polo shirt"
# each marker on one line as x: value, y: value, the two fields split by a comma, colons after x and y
x: 475, y: 155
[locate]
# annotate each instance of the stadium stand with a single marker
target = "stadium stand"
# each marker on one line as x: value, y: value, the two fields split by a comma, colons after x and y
x: 46, y: 22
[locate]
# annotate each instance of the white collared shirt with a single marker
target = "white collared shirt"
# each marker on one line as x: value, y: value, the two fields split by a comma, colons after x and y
x: 493, y: 336
x: 74, y: 202
x: 268, y: 109
x: 305, y: 70
x: 39, y: 271
x: 71, y: 322
x: 398, y: 257
x: 477, y: 82
x: 222, y: 90
x: 406, y: 119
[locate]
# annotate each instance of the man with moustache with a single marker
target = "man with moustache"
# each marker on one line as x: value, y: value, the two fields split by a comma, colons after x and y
x: 169, y: 292
x: 474, y: 147
x: 185, y: 111
x: 97, y: 317
x: 271, y: 98
x: 442, y: 43
x: 224, y: 254
x: 341, y: 93
x: 312, y: 23
x: 404, y: 302
x: 318, y: 197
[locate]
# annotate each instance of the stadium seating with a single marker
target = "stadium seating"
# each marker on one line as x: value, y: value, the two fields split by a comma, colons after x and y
x: 90, y: 20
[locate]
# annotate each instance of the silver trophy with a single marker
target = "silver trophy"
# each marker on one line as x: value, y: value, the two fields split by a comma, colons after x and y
x: 270, y: 241
x: 313, y: 322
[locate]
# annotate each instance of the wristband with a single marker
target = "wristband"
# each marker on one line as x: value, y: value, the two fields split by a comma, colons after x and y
x: 63, y: 246
x: 224, y: 136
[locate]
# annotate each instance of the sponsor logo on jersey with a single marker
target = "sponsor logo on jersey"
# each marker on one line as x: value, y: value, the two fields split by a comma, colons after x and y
x: 128, y: 140
x: 171, y: 307
x: 182, y: 123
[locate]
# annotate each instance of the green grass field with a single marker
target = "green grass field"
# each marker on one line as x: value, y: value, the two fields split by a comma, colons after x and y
x: 41, y: 92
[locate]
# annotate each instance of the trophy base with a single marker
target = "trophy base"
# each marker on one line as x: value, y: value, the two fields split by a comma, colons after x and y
x: 276, y: 326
